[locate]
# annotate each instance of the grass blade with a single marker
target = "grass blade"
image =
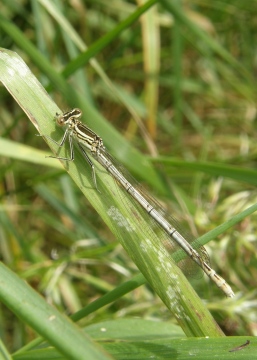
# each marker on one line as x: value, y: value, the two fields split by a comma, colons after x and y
x: 157, y: 266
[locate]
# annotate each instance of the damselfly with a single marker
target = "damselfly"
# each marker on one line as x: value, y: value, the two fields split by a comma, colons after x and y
x: 87, y: 140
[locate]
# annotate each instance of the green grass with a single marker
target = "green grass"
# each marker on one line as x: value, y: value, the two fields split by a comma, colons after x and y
x: 173, y: 98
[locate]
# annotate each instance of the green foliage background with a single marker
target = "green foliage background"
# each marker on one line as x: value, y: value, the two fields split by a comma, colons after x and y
x: 173, y: 95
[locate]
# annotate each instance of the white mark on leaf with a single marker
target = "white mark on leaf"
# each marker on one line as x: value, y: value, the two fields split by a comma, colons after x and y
x: 120, y: 220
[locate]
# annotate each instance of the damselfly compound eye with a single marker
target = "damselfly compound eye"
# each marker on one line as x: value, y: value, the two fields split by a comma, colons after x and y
x: 75, y: 113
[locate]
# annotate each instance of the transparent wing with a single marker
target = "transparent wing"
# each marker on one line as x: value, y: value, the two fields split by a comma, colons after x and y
x: 188, y: 266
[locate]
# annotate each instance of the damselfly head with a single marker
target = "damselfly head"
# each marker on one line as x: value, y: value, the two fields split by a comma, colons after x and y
x: 68, y: 117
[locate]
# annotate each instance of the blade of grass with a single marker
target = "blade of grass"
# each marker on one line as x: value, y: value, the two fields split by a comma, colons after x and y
x: 131, y: 157
x: 89, y: 53
x: 209, y: 42
x: 23, y: 152
x: 46, y: 320
x: 110, y: 297
x: 126, y: 223
x: 177, y: 55
x: 4, y: 354
x: 181, y: 349
x: 151, y: 52
x: 99, y: 45
x: 215, y: 169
